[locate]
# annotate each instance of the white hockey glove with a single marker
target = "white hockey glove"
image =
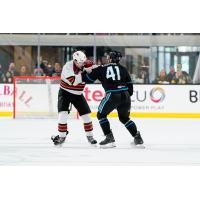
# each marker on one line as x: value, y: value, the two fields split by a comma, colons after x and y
x: 88, y: 70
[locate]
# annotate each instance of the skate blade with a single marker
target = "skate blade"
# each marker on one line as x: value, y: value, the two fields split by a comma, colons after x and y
x: 138, y: 146
x: 107, y: 146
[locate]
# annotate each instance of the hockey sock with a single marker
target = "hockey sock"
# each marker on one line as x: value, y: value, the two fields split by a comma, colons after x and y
x: 105, y: 125
x: 62, y: 123
x: 87, y: 123
x: 131, y: 126
x: 62, y: 129
x: 88, y: 128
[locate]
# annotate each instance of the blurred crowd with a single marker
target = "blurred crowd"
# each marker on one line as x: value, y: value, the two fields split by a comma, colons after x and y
x: 175, y: 76
x: 44, y: 69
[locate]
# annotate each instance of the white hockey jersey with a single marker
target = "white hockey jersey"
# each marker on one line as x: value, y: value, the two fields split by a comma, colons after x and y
x: 69, y: 77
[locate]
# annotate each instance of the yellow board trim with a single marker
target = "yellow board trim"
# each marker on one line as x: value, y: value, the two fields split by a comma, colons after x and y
x: 135, y: 115
x: 6, y: 114
x: 155, y: 115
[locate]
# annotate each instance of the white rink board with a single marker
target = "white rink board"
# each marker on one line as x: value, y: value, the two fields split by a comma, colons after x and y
x: 154, y: 98
x: 146, y: 98
x: 36, y: 98
x: 168, y: 142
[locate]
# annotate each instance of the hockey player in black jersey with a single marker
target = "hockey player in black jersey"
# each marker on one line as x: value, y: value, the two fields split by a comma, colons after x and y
x: 117, y: 83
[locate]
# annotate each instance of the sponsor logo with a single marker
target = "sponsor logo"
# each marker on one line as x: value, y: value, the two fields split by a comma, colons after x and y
x: 194, y: 96
x: 7, y: 92
x: 157, y: 95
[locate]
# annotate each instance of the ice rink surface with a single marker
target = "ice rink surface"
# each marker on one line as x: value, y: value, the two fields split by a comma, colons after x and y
x: 168, y: 142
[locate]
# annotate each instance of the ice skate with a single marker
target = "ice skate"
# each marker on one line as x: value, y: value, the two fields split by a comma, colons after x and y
x: 138, y: 141
x: 108, y: 142
x: 57, y: 140
x: 91, y: 140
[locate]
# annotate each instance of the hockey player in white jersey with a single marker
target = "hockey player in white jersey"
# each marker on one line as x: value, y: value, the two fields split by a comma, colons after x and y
x: 71, y: 93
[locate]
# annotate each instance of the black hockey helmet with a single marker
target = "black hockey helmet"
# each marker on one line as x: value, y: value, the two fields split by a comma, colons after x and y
x: 114, y: 56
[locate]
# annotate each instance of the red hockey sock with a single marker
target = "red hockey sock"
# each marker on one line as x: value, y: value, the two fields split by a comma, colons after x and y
x: 62, y: 127
x: 88, y: 127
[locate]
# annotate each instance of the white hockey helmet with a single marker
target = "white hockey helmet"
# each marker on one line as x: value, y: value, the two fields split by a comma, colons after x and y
x: 79, y: 57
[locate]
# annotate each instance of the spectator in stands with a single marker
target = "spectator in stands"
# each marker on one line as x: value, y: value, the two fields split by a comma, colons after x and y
x: 181, y: 77
x: 57, y: 70
x: 38, y: 71
x: 2, y: 75
x: 49, y: 70
x: 179, y: 68
x: 10, y: 73
x: 44, y: 66
x: 24, y: 71
x: 171, y: 74
x: 144, y: 73
x: 162, y: 78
